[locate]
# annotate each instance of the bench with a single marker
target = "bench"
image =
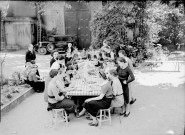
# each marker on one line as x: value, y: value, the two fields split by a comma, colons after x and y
x: 175, y: 62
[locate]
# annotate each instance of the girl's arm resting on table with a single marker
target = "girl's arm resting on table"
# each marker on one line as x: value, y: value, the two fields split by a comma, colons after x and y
x: 95, y: 98
x: 57, y: 97
x: 61, y: 87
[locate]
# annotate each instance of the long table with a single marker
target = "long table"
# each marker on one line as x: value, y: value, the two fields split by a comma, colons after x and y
x: 84, y: 88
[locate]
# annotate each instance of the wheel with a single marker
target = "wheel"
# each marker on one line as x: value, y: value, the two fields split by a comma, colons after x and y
x: 50, y: 47
x: 42, y: 51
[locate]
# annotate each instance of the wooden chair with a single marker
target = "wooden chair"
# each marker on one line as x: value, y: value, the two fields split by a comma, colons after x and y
x: 59, y: 113
x: 104, y: 117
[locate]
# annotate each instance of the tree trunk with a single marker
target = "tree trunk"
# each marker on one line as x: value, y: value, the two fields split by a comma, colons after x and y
x: 0, y: 30
x: 4, y: 32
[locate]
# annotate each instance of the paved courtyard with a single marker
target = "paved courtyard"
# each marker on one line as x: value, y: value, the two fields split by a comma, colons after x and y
x: 159, y: 109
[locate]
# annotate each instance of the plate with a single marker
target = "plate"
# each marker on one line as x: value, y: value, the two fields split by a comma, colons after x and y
x: 91, y: 82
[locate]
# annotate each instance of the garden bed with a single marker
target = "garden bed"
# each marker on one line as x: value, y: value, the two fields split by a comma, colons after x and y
x: 11, y: 96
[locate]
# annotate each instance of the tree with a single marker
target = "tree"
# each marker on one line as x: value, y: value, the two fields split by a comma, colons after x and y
x: 4, y: 5
x: 155, y: 16
x: 113, y: 21
x: 166, y: 21
x: 173, y: 29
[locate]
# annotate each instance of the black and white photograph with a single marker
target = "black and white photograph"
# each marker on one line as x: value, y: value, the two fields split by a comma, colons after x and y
x: 92, y: 67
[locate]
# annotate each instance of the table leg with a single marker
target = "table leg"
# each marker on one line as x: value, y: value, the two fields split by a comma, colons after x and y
x: 175, y: 65
x: 178, y: 66
x: 78, y: 104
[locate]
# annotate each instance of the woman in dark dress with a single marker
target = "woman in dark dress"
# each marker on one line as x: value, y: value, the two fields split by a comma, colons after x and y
x: 124, y: 72
x: 31, y: 56
x: 103, y: 101
x: 123, y: 54
x: 54, y: 55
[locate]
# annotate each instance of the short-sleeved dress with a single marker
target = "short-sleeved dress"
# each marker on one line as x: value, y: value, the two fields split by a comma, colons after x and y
x: 94, y: 106
x: 123, y: 74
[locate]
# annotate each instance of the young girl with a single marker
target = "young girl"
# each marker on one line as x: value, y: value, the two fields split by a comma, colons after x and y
x: 35, y: 81
x: 60, y: 61
x: 118, y: 100
x: 84, y: 54
x: 54, y: 55
x: 103, y: 101
x: 69, y: 53
x: 122, y: 54
x: 126, y: 76
x: 56, y: 93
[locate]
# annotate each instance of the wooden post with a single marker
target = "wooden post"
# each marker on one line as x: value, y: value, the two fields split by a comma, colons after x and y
x: 1, y: 69
x: 0, y: 30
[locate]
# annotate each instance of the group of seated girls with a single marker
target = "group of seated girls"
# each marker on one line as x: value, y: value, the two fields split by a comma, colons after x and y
x: 125, y: 75
x: 31, y: 73
x: 33, y: 78
x: 112, y: 93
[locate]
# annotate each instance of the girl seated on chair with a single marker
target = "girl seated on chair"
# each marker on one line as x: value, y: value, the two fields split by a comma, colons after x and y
x: 103, y: 101
x: 56, y: 93
x: 34, y: 80
x: 118, y: 100
x: 54, y: 55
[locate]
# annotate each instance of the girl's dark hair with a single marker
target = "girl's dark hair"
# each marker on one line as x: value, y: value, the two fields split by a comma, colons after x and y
x: 95, y: 57
x: 53, y: 73
x: 60, y: 57
x: 100, y: 54
x: 69, y: 63
x: 122, y: 52
x: 89, y: 56
x: 113, y: 72
x: 120, y: 59
x: 53, y: 52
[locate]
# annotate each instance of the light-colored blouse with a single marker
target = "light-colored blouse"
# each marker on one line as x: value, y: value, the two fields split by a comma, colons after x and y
x: 107, y: 89
x: 53, y: 90
x: 118, y: 101
x: 55, y: 65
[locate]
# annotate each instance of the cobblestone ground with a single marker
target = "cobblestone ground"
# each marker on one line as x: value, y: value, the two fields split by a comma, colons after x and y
x: 159, y: 109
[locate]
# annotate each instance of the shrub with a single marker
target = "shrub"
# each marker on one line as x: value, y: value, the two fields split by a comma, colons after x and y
x: 115, y: 22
